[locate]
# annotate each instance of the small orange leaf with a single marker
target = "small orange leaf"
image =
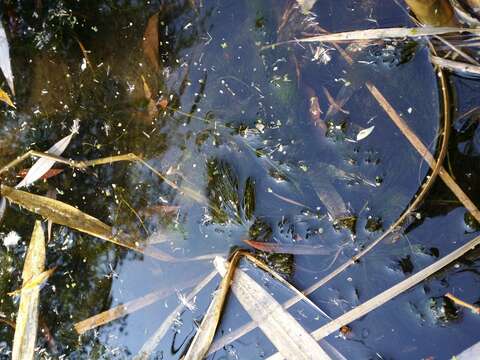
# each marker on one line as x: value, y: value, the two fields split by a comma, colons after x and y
x: 345, y: 330
x: 163, y: 103
x: 50, y: 173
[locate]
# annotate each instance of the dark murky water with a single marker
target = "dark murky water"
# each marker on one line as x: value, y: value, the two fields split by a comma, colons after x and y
x: 233, y: 122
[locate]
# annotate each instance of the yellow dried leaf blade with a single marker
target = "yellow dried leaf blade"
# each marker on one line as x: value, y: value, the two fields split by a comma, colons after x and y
x: 67, y: 215
x: 146, y: 89
x: 281, y: 328
x: 151, y: 107
x: 6, y: 99
x: 130, y: 307
x: 27, y: 318
x: 206, y: 332
x: 35, y: 281
x: 59, y: 212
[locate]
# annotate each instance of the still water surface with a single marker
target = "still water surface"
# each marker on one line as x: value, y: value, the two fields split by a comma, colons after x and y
x: 269, y: 142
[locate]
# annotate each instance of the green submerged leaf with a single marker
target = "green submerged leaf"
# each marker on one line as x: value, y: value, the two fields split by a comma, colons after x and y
x: 249, y: 199
x: 222, y: 192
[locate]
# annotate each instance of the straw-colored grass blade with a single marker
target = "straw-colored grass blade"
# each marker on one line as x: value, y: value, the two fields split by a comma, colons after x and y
x: 458, y: 67
x: 423, y: 150
x: 281, y: 328
x: 27, y: 318
x: 389, y: 294
x: 129, y: 307
x: 469, y: 354
x: 306, y: 5
x: 206, y: 332
x: 67, y: 215
x: 384, y: 33
x: 152, y: 343
x: 59, y: 212
x: 35, y: 281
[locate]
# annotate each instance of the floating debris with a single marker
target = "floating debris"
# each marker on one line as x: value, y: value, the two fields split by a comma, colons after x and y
x: 11, y: 239
x: 363, y: 134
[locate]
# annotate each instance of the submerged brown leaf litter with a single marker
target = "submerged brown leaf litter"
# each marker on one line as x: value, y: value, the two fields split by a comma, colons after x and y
x: 231, y: 201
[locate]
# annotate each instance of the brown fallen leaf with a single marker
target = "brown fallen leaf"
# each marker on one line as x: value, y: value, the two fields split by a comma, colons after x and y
x: 50, y: 173
x: 6, y: 99
x: 296, y: 249
x: 27, y: 319
x: 314, y: 109
x: 163, y: 103
x: 434, y: 13
x: 151, y: 42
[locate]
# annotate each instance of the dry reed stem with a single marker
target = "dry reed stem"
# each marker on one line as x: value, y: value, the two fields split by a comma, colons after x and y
x: 129, y: 307
x: 375, y: 302
x: 460, y: 67
x: 423, y: 151
x: 379, y: 34
x: 462, y: 303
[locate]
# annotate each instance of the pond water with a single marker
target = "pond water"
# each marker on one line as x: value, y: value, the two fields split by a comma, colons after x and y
x: 282, y: 145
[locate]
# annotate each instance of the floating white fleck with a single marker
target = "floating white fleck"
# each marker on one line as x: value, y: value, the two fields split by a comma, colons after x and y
x: 11, y: 239
x: 365, y: 133
x: 260, y: 127
x: 189, y: 304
